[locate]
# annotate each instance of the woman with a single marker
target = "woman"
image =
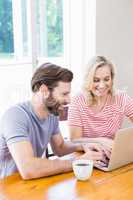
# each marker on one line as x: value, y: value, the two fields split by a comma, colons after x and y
x: 98, y: 112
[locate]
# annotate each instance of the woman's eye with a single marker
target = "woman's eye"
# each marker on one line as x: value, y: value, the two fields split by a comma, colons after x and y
x: 96, y: 80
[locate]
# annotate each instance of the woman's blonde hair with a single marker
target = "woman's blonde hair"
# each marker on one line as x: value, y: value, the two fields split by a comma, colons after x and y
x: 95, y: 63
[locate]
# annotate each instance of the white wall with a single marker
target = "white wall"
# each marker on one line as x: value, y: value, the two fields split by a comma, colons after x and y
x: 14, y: 85
x: 80, y: 38
x: 114, y: 37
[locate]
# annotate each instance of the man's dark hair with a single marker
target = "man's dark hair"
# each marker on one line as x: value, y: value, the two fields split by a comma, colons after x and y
x: 50, y: 74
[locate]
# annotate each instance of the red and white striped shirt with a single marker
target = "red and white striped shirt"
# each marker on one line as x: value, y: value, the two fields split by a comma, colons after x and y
x: 104, y: 123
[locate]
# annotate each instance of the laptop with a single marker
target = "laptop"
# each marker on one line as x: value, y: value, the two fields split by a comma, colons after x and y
x: 122, y: 150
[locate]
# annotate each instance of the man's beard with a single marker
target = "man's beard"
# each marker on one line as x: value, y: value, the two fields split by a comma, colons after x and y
x: 54, y: 107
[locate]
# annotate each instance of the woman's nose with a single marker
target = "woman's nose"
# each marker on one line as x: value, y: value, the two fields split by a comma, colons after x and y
x: 102, y: 84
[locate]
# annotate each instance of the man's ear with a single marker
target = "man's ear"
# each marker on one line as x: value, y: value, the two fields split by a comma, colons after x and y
x: 44, y: 90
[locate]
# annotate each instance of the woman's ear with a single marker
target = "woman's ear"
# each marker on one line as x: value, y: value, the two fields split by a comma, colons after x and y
x: 44, y: 90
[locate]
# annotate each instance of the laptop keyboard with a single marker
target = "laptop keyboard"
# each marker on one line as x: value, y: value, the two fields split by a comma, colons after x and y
x: 103, y: 163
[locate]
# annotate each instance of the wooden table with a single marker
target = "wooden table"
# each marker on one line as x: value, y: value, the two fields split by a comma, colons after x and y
x: 115, y: 185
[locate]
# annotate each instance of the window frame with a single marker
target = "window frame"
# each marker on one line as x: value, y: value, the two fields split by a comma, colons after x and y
x: 79, y: 46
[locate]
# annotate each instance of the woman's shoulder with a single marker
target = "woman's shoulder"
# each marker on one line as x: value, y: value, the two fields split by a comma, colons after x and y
x: 79, y: 96
x: 78, y: 99
x: 120, y: 94
x: 121, y: 97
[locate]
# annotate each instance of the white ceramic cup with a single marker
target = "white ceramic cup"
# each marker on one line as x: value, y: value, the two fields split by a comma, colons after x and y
x: 82, y: 169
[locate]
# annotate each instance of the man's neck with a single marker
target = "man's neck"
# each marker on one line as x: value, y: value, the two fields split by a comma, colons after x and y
x: 39, y: 108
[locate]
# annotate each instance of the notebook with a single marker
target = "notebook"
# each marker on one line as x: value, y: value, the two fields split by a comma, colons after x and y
x: 122, y: 150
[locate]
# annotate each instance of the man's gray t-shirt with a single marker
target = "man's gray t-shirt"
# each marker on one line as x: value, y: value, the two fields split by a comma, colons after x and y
x: 20, y: 123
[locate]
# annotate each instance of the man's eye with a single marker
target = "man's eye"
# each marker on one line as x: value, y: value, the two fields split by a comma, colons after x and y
x: 65, y: 94
x: 107, y: 79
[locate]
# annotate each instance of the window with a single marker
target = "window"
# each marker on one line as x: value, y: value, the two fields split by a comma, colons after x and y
x: 6, y: 29
x: 36, y: 31
x: 50, y: 28
x: 25, y: 25
x: 30, y: 30
x: 39, y: 29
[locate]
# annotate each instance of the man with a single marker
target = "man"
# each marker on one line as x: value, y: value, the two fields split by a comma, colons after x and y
x: 27, y: 128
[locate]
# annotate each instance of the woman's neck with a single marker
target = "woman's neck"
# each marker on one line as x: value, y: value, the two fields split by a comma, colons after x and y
x: 101, y: 100
x: 99, y: 104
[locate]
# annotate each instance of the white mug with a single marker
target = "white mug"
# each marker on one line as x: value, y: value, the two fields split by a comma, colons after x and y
x: 82, y: 169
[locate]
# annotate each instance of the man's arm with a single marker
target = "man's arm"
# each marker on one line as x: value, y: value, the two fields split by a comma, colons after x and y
x: 31, y: 167
x: 61, y: 147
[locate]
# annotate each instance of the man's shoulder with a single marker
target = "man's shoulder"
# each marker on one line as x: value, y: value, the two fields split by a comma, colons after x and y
x: 16, y: 110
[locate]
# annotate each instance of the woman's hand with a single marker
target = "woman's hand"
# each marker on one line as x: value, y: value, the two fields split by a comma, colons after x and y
x: 92, y: 146
x: 98, y: 152
x: 106, y: 144
x: 97, y: 149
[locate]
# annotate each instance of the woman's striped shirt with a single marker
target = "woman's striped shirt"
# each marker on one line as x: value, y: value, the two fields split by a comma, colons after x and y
x: 104, y: 123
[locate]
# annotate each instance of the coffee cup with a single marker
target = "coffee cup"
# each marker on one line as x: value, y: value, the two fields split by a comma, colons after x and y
x: 82, y: 169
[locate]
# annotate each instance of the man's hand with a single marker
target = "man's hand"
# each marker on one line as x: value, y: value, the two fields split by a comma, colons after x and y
x: 96, y: 149
x: 97, y: 152
x: 92, y: 151
x: 92, y: 155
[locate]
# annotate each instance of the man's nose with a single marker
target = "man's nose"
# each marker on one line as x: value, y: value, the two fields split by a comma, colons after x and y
x: 67, y: 100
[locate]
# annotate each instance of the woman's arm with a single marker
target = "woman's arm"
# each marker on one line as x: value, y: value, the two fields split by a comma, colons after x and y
x: 131, y: 119
x: 75, y: 133
x: 77, y: 136
x: 104, y: 143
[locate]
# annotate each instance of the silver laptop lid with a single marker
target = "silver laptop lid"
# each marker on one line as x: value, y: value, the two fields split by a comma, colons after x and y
x: 122, y: 151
